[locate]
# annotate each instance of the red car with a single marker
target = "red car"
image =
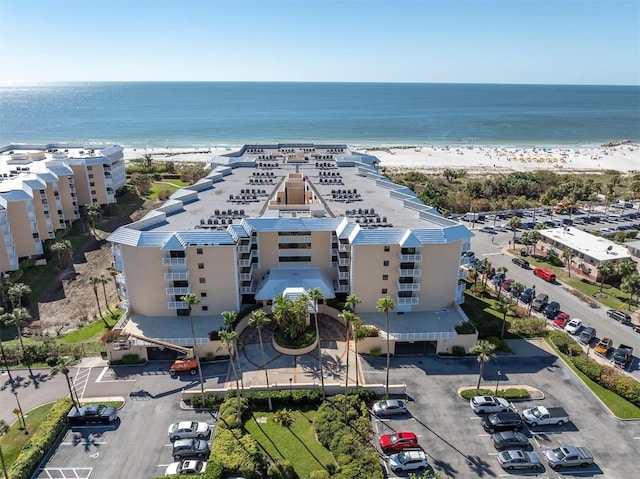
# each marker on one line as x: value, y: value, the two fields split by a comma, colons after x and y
x: 506, y: 284
x: 398, y: 441
x: 561, y: 320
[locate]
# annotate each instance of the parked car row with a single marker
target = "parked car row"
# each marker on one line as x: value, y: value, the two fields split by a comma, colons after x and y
x: 190, y: 446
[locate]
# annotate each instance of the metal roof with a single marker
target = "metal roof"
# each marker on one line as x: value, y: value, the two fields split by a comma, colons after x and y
x: 280, y: 279
x: 290, y: 224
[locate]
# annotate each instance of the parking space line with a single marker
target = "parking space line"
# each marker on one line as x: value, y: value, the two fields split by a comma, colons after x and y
x: 78, y: 443
x: 102, y: 373
x: 81, y: 380
x: 74, y: 472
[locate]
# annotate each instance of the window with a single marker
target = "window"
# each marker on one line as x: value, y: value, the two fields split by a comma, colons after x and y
x: 200, y: 265
x: 385, y: 277
x: 383, y: 291
x: 387, y: 248
x: 203, y: 294
x: 90, y: 175
x: 92, y: 183
x: 202, y: 280
x: 198, y: 250
x: 89, y: 167
x: 385, y: 263
x: 205, y: 308
x: 93, y: 192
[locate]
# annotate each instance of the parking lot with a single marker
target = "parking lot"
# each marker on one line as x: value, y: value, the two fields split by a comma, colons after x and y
x: 453, y: 438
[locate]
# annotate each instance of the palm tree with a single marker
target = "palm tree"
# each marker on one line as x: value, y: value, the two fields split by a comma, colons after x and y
x: 625, y: 268
x: 384, y: 306
x: 605, y: 270
x: 315, y: 295
x: 94, y: 282
x: 191, y: 299
x: 631, y: 284
x: 103, y: 282
x: 229, y: 338
x: 62, y: 366
x: 503, y: 270
x: 18, y: 317
x: 503, y: 307
x: 359, y: 333
x: 485, y: 351
x: 348, y: 317
x: 259, y: 319
x: 567, y: 255
x: 16, y: 292
x: 63, y: 251
x: 515, y: 224
x: 353, y: 301
x: 2, y: 355
x: 114, y: 272
x: 229, y: 318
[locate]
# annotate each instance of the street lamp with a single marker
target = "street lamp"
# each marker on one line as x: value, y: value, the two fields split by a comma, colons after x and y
x: 290, y: 386
x: 24, y: 422
x: 498, y: 381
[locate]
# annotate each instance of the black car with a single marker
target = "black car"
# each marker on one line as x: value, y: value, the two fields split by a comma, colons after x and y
x: 507, y: 439
x: 93, y: 413
x: 526, y: 296
x: 190, y: 448
x: 552, y: 309
x: 523, y: 263
x: 502, y: 421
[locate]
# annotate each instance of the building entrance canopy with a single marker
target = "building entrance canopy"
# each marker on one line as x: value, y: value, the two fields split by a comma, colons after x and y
x: 279, y: 279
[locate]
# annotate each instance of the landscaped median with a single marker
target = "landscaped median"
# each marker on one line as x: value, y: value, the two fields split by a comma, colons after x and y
x: 617, y: 391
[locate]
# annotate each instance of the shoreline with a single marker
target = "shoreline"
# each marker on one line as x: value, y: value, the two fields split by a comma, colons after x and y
x: 623, y: 157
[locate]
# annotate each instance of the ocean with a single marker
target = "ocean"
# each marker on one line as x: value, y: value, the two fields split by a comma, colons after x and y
x: 201, y: 114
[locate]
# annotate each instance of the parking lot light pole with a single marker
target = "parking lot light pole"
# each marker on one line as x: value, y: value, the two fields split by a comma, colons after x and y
x: 498, y: 381
x: 24, y: 422
x: 290, y: 387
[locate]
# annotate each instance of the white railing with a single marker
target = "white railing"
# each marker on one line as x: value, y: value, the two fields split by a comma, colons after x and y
x: 295, y: 239
x: 406, y: 301
x: 118, y: 263
x: 245, y: 276
x: 245, y: 248
x: 410, y: 272
x: 177, y: 291
x: 177, y: 341
x: 418, y: 336
x: 343, y: 275
x: 295, y: 252
x: 168, y: 261
x: 246, y: 290
x: 344, y: 247
x: 342, y: 288
x: 120, y: 279
x: 334, y: 251
x: 344, y: 261
x: 295, y: 264
x: 408, y: 286
x: 177, y: 305
x: 182, y: 276
x: 245, y: 263
x: 411, y: 258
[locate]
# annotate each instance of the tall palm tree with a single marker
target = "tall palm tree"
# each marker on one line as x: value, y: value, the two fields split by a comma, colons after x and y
x: 229, y: 338
x: 18, y: 317
x: 503, y: 270
x: 503, y: 306
x: 353, y: 301
x: 485, y: 351
x: 384, y: 306
x: 625, y: 268
x: 191, y: 299
x: 2, y: 355
x: 63, y: 251
x: 315, y: 295
x: 259, y: 319
x: 631, y: 284
x: 229, y: 319
x: 605, y: 270
x: 62, y: 366
x: 567, y: 255
x: 94, y: 282
x: 103, y: 282
x: 114, y: 272
x: 16, y: 292
x: 348, y: 317
x: 358, y: 334
x: 515, y: 224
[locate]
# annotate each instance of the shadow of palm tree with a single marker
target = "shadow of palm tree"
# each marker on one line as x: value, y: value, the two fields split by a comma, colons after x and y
x: 305, y: 446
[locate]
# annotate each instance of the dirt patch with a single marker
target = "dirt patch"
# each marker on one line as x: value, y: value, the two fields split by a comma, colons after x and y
x: 70, y: 302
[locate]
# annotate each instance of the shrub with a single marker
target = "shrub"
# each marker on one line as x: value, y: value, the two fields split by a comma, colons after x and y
x: 510, y: 394
x: 590, y: 368
x: 554, y: 260
x: 283, y: 417
x: 500, y: 344
x: 238, y: 452
x: 282, y: 470
x: 458, y: 350
x: 228, y: 412
x: 210, y: 401
x: 528, y: 327
x: 370, y: 331
x: 466, y: 327
x: 131, y: 359
x: 300, y: 398
x: 321, y: 474
x: 376, y: 352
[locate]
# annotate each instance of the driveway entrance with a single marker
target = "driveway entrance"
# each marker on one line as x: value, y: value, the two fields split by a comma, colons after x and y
x: 416, y: 347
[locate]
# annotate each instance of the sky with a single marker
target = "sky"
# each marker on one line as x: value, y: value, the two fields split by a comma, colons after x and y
x: 427, y: 41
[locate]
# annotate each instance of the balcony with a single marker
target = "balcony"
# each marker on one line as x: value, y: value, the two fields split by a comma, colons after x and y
x: 169, y: 261
x: 411, y: 273
x: 245, y: 277
x: 247, y: 290
x: 343, y: 275
x: 408, y: 286
x: 295, y: 252
x: 177, y: 276
x: 124, y: 304
x: 177, y: 305
x: 177, y: 291
x: 120, y: 279
x: 409, y: 301
x: 118, y: 263
x: 245, y: 263
x: 244, y: 248
x: 344, y: 261
x: 410, y: 258
x: 462, y: 273
x: 341, y: 288
x: 295, y: 239
x: 344, y: 247
x: 295, y: 264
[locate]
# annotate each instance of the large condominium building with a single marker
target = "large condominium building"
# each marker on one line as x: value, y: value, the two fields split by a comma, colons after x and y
x: 42, y: 188
x: 272, y: 217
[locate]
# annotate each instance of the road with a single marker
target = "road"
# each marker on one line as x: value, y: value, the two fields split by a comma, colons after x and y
x: 483, y: 247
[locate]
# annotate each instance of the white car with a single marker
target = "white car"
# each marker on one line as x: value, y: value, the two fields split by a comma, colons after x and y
x: 489, y: 404
x: 409, y: 460
x: 573, y: 326
x: 189, y: 429
x: 185, y: 467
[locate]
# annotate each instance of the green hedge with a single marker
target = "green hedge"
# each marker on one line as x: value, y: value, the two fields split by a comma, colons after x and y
x: 500, y: 344
x: 238, y: 453
x: 510, y: 394
x: 349, y: 444
x: 41, y: 441
x: 300, y: 398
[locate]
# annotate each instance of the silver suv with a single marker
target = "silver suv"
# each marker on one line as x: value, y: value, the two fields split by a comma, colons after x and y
x: 619, y: 315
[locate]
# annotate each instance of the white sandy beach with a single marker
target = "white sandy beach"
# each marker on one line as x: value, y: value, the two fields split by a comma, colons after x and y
x: 625, y: 157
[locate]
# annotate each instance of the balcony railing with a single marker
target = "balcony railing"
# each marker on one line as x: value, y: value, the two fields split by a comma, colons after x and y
x: 244, y: 248
x: 168, y: 261
x: 245, y: 277
x: 344, y: 247
x: 295, y: 264
x: 411, y: 258
x: 177, y: 291
x: 342, y: 288
x: 295, y: 252
x: 418, y: 336
x: 177, y: 276
x: 120, y: 279
x: 462, y: 273
x: 177, y: 305
x: 247, y: 290
x: 408, y: 286
x: 412, y: 273
x: 344, y: 261
x: 415, y: 300
x: 295, y: 239
x: 343, y: 275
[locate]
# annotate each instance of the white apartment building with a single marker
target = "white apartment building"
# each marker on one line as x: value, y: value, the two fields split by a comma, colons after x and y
x: 271, y: 217
x: 42, y: 188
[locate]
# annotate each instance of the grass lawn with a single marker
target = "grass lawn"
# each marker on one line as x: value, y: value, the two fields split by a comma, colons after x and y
x: 166, y: 185
x: 298, y: 444
x: 620, y: 407
x: 15, y: 438
x: 93, y: 331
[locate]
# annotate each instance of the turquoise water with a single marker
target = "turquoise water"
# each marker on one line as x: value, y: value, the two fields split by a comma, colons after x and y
x: 234, y: 113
